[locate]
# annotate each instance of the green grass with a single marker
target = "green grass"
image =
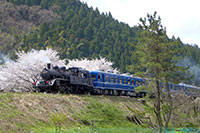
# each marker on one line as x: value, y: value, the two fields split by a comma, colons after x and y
x: 98, y: 130
x: 99, y: 114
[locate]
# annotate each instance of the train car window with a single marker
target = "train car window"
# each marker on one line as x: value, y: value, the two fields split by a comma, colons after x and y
x: 129, y: 82
x: 99, y: 77
x: 120, y: 80
x: 132, y: 82
x: 124, y: 80
x: 107, y: 78
x: 93, y: 77
x: 137, y: 83
x: 103, y: 77
x: 111, y: 79
x: 116, y: 80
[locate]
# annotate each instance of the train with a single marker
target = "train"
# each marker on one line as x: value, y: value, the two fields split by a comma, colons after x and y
x: 76, y: 80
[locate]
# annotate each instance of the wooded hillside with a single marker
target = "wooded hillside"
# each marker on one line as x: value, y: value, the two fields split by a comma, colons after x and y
x: 72, y: 28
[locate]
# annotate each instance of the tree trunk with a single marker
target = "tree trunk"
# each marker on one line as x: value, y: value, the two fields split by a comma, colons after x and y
x: 158, y: 101
x: 169, y: 99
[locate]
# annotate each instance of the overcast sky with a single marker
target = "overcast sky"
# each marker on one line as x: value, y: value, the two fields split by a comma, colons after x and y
x: 180, y: 17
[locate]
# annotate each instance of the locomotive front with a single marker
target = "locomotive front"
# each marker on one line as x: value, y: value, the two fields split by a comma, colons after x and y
x: 50, y: 77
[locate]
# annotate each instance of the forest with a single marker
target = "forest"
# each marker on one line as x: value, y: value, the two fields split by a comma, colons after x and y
x: 77, y: 31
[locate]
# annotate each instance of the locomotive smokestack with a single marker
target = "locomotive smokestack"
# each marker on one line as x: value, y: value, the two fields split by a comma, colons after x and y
x: 48, y: 65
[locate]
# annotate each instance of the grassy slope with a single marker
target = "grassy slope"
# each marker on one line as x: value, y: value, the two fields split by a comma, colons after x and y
x: 27, y: 112
x: 24, y: 112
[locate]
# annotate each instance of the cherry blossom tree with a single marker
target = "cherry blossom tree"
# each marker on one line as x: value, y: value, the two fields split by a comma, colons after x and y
x: 92, y: 65
x: 19, y: 75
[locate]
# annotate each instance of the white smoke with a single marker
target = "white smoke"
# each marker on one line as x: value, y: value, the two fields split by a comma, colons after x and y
x: 5, y: 58
x: 194, y: 69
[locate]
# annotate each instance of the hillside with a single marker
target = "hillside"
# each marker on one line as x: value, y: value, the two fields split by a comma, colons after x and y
x: 16, y: 20
x: 75, y: 31
x: 25, y: 112
x: 80, y: 32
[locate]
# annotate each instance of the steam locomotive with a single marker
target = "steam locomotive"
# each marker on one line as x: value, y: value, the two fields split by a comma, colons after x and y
x: 59, y: 79
x: 76, y: 80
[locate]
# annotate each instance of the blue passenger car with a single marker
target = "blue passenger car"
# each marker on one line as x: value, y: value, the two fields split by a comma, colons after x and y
x: 116, y: 84
x: 187, y: 89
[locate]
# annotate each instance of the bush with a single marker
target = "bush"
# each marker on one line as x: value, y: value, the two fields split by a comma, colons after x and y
x: 58, y: 119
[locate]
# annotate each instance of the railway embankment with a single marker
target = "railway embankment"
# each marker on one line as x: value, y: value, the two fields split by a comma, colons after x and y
x: 32, y: 112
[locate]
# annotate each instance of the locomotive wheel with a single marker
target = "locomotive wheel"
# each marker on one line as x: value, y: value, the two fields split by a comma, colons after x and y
x: 102, y: 92
x: 110, y: 92
x: 119, y: 93
x: 106, y: 92
x: 131, y: 94
x: 62, y: 89
x: 115, y: 93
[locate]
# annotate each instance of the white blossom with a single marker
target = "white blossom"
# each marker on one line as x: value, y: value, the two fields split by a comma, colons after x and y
x: 20, y: 75
x: 92, y: 65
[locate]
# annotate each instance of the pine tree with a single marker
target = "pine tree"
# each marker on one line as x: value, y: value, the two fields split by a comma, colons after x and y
x: 155, y: 55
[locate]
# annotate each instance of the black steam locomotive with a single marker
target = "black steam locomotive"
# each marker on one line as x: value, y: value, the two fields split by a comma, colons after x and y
x: 74, y: 80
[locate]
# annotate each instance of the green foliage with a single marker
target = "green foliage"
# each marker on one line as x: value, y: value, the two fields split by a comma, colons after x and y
x: 85, y: 32
x: 166, y: 108
x: 58, y: 119
x: 139, y: 88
